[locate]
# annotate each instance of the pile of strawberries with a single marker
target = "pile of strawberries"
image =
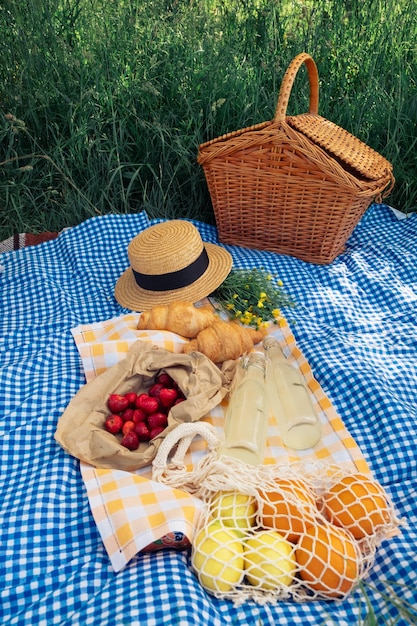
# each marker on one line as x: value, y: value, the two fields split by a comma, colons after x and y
x: 142, y: 417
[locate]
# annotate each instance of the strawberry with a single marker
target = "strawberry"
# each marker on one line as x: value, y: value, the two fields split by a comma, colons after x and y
x: 155, y: 390
x: 156, y: 431
x: 165, y: 379
x: 167, y: 397
x: 130, y: 440
x: 127, y: 427
x: 127, y: 415
x: 148, y: 404
x: 179, y: 400
x: 117, y: 403
x: 142, y: 431
x: 139, y: 415
x: 131, y: 398
x: 157, y: 419
x: 113, y: 424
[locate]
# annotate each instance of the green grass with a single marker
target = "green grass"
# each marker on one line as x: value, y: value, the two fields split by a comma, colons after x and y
x: 103, y: 104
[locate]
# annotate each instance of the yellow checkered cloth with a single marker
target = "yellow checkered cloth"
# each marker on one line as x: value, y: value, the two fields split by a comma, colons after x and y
x: 133, y: 512
x: 103, y: 344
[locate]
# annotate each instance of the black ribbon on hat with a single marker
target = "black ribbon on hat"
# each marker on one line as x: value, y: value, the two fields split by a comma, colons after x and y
x: 173, y: 280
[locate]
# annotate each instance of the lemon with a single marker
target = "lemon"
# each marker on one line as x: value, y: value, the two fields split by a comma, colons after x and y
x: 269, y: 560
x: 217, y: 557
x: 236, y: 510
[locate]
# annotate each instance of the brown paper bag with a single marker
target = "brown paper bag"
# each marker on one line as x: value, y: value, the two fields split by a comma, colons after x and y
x: 80, y: 430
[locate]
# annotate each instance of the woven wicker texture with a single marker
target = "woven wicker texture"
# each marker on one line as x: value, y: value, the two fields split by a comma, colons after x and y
x: 295, y: 185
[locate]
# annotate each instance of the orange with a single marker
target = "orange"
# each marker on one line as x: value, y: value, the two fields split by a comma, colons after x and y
x: 328, y: 560
x: 358, y: 503
x: 289, y: 509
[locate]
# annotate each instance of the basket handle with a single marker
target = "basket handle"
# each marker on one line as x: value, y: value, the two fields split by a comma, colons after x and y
x: 288, y: 81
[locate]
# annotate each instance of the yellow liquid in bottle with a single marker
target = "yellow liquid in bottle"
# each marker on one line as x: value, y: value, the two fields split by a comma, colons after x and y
x: 247, y: 416
x: 290, y: 401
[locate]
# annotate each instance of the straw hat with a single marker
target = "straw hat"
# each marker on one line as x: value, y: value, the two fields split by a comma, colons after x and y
x: 170, y: 262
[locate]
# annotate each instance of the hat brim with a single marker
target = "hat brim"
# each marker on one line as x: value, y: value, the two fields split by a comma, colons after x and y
x: 131, y: 296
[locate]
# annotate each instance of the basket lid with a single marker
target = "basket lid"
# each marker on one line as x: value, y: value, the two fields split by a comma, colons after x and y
x: 347, y: 149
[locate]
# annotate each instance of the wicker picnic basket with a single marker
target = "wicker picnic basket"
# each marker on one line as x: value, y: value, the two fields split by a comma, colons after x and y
x: 295, y: 185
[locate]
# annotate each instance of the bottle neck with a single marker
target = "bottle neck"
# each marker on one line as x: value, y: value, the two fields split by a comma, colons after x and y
x: 273, y: 349
x: 255, y: 364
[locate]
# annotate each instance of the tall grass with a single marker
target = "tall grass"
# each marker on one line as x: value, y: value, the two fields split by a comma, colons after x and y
x: 103, y: 104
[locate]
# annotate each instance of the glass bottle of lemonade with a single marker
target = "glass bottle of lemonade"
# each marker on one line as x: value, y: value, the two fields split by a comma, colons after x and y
x: 247, y: 416
x: 290, y: 400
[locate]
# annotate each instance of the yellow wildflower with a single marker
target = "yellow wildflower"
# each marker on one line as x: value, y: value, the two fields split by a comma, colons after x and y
x: 254, y: 297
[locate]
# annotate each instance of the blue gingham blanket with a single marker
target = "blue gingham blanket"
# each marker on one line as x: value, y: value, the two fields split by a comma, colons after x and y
x: 356, y: 323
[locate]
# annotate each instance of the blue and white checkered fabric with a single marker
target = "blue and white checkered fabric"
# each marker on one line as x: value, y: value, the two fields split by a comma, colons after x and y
x: 356, y: 324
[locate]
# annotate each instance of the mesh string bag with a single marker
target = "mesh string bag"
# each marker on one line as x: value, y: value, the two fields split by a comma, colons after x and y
x: 302, y: 531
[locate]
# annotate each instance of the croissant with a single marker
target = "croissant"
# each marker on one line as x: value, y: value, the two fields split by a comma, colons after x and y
x: 182, y: 318
x: 223, y: 341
